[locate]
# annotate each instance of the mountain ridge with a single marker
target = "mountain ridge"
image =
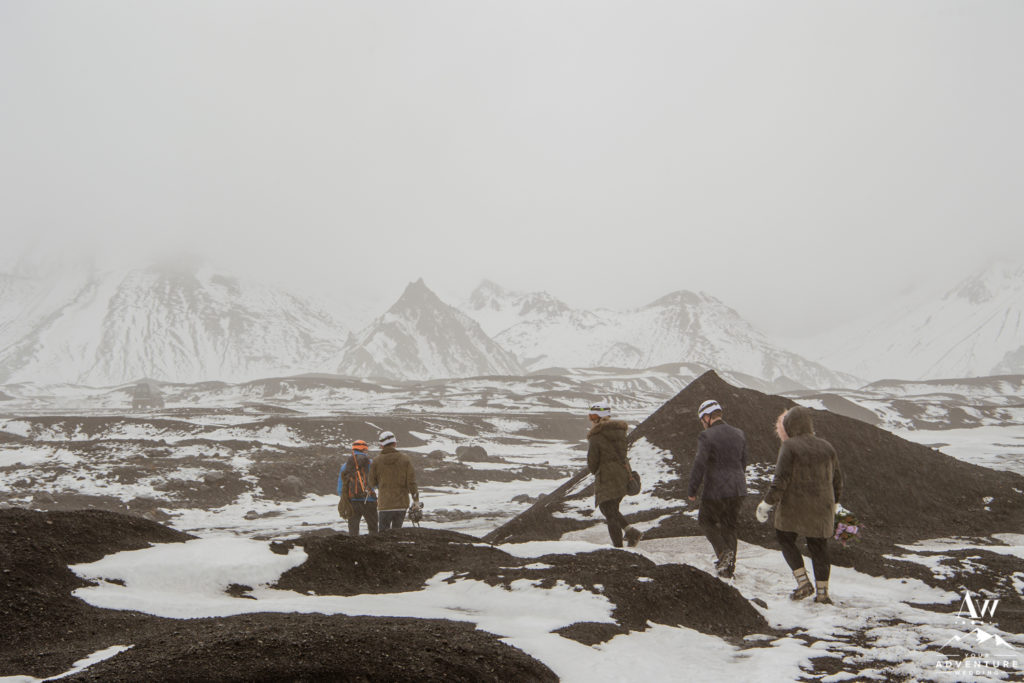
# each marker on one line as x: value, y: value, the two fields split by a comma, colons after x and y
x: 186, y: 323
x: 678, y: 326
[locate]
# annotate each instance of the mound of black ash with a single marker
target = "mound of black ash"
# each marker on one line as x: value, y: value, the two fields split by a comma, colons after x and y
x: 674, y: 595
x: 902, y: 492
x: 45, y: 628
x: 315, y: 647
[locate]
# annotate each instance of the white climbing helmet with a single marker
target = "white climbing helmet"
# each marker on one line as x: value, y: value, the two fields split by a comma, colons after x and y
x: 708, y: 407
x: 601, y: 409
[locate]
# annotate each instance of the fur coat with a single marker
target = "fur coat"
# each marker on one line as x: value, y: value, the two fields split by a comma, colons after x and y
x: 607, y: 459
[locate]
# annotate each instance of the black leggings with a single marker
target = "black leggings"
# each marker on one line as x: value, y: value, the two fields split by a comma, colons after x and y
x: 817, y: 548
x: 616, y: 522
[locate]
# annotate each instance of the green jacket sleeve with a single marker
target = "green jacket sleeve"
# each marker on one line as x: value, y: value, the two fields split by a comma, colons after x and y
x: 783, y: 473
x: 410, y: 481
x: 837, y: 477
x: 593, y: 456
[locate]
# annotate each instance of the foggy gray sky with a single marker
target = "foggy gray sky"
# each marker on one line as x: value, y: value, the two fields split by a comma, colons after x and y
x: 797, y: 160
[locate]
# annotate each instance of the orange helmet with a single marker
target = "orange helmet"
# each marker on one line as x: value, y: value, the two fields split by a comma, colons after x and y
x: 359, y: 445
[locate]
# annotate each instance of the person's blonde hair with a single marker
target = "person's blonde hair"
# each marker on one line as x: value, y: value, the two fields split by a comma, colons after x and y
x: 780, y: 429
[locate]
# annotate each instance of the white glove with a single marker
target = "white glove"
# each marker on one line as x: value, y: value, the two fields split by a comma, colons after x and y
x: 762, y: 512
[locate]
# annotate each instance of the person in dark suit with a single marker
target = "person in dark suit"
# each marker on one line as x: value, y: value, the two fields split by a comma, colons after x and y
x: 720, y: 466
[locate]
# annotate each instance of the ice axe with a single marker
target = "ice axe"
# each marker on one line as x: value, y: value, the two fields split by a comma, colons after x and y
x: 416, y: 512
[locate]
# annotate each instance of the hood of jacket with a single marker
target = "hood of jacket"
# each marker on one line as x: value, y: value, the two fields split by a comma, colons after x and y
x: 798, y: 421
x: 607, y: 424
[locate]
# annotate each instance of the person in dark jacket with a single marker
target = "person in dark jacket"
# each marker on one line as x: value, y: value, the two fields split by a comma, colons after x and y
x: 804, y: 493
x: 609, y: 463
x: 392, y: 474
x: 354, y: 486
x: 720, y: 466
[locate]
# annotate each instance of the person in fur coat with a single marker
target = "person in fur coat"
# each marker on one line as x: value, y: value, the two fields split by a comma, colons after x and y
x: 804, y: 494
x: 608, y: 461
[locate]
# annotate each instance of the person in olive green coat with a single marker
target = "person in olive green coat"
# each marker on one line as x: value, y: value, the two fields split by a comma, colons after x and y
x: 804, y: 493
x: 392, y: 474
x: 609, y: 463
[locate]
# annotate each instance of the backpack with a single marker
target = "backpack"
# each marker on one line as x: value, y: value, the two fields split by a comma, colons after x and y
x: 358, y: 481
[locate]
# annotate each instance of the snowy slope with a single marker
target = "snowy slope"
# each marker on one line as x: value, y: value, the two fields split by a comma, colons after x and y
x: 681, y: 327
x: 421, y: 337
x: 497, y: 309
x: 175, y: 323
x: 974, y: 329
x: 17, y: 295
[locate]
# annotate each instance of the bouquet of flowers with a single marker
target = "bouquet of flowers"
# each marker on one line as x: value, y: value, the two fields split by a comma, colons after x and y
x: 848, y: 528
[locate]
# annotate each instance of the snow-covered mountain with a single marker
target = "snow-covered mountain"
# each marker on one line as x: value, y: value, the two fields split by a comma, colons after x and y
x: 679, y: 327
x: 180, y: 322
x: 421, y: 337
x: 975, y: 329
x: 497, y: 309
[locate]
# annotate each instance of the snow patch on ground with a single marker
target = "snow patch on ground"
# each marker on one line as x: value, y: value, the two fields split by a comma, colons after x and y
x: 24, y: 455
x: 77, y: 667
x: 998, y: 447
x: 189, y: 580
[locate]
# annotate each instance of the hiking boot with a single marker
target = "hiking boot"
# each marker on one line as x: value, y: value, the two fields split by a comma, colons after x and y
x: 727, y: 565
x: 804, y: 590
x: 633, y: 536
x: 823, y: 599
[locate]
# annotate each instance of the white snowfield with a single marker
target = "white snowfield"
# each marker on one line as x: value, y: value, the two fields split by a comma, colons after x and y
x: 973, y: 329
x: 188, y: 580
x: 995, y: 447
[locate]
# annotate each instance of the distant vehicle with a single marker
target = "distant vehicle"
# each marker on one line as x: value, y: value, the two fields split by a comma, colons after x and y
x: 146, y: 396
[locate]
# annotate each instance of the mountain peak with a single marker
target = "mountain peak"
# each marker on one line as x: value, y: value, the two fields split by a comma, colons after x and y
x: 422, y: 337
x: 417, y: 286
x: 490, y: 287
x: 417, y: 294
x: 682, y: 297
x: 987, y: 284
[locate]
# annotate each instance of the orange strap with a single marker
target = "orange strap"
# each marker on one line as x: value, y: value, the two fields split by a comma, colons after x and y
x: 359, y: 476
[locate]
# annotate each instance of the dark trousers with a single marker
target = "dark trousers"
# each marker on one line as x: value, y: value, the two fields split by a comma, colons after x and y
x: 363, y: 510
x: 391, y: 519
x: 719, y: 518
x: 817, y: 548
x: 616, y: 522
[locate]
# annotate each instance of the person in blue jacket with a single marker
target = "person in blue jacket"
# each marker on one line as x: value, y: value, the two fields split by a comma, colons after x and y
x: 355, y: 490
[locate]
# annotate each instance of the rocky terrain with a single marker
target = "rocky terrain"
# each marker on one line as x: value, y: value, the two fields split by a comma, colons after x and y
x: 934, y: 527
x: 901, y: 491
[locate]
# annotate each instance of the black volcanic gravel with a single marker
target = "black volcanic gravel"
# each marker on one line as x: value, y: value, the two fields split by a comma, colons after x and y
x: 50, y: 629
